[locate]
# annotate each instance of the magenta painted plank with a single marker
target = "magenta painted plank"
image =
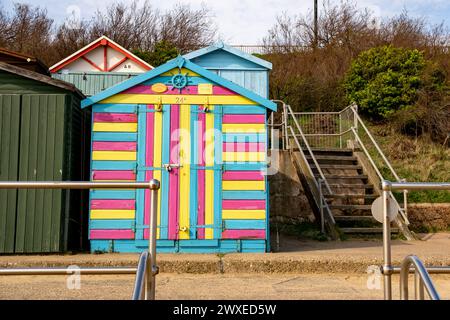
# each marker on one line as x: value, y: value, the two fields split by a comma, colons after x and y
x: 244, y: 234
x: 174, y: 173
x: 113, y: 146
x: 111, y: 234
x: 201, y: 175
x: 113, y: 204
x: 113, y: 175
x: 115, y: 117
x: 244, y: 146
x: 149, y: 154
x: 244, y: 118
x: 243, y: 204
x: 242, y: 175
x: 217, y: 90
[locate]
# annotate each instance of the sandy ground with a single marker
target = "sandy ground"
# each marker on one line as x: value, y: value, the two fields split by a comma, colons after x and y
x: 209, y: 286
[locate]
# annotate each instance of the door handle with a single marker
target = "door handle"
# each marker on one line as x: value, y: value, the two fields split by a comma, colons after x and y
x: 170, y: 166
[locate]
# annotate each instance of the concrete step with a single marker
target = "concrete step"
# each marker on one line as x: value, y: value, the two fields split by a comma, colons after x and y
x: 366, y: 230
x: 337, y: 176
x: 351, y: 196
x: 352, y: 185
x: 355, y: 218
x: 338, y: 166
x: 350, y: 206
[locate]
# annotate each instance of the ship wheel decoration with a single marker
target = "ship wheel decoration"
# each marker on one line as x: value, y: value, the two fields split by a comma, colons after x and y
x: 179, y: 81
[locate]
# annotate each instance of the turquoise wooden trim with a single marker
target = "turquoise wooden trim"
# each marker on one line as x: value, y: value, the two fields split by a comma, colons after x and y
x: 237, y: 109
x: 192, y: 80
x: 129, y: 84
x: 113, y: 165
x: 218, y: 174
x: 181, y: 246
x: 267, y: 227
x: 112, y: 224
x: 193, y: 194
x: 113, y: 194
x: 245, y: 224
x: 251, y: 166
x: 140, y: 194
x: 216, y: 167
x: 113, y: 108
x: 114, y: 136
x: 144, y: 168
x: 244, y: 195
x: 179, y: 62
x: 232, y: 50
x: 163, y: 231
x: 244, y: 137
x: 90, y: 176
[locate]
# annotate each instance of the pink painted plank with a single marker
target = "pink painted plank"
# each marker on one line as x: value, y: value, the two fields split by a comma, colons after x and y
x: 244, y: 118
x: 149, y: 154
x: 201, y: 175
x: 113, y: 204
x: 244, y: 234
x: 174, y: 173
x: 113, y: 175
x: 244, y: 146
x: 115, y: 117
x: 242, y: 175
x: 140, y: 89
x: 112, y: 234
x: 114, y: 146
x: 243, y: 204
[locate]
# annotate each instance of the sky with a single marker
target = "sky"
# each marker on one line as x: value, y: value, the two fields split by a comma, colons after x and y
x: 247, y: 21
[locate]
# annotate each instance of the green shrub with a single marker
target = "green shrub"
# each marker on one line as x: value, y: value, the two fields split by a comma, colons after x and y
x: 384, y: 80
x: 163, y: 52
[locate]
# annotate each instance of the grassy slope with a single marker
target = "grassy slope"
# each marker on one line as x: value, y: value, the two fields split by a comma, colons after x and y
x: 415, y: 160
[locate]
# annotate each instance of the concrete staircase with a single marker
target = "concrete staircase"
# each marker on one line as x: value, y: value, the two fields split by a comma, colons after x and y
x: 353, y: 194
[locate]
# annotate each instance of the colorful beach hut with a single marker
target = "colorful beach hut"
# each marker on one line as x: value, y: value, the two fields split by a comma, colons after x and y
x: 205, y: 139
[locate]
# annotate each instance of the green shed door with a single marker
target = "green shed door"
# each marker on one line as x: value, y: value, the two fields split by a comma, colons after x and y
x: 9, y: 155
x: 39, y: 212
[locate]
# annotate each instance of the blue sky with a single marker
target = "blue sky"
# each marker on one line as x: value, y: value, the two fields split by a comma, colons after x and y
x: 246, y: 21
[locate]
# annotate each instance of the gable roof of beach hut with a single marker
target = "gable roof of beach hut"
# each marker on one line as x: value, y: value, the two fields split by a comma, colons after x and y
x: 179, y: 63
x: 235, y: 65
x: 98, y: 66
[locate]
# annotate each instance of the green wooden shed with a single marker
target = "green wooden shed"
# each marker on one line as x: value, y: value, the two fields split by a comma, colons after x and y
x: 41, y: 138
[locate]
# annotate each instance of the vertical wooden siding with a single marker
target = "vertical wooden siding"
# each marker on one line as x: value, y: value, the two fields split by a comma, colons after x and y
x: 9, y: 155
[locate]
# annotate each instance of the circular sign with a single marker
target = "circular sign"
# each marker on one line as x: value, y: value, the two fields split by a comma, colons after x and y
x: 377, y: 209
x: 159, y: 88
x: 179, y: 81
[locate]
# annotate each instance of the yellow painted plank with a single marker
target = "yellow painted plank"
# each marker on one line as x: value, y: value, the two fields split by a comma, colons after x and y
x: 243, y: 156
x: 115, y: 127
x: 185, y: 170
x: 112, y: 214
x: 113, y: 155
x: 243, y: 128
x: 183, y: 71
x: 244, y: 214
x: 243, y: 185
x: 157, y: 161
x: 209, y: 174
x: 178, y: 99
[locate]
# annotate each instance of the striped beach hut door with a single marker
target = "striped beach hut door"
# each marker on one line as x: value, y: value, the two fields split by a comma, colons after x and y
x: 177, y: 146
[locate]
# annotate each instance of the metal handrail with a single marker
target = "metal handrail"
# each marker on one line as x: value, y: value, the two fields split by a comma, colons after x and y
x: 308, y: 148
x: 387, y: 186
x: 151, y: 269
x: 423, y: 279
x: 141, y: 273
x: 322, y: 202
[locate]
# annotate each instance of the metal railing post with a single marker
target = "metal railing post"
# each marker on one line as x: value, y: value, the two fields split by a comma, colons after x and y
x: 285, y: 120
x: 322, y: 222
x: 152, y: 268
x: 387, y: 267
